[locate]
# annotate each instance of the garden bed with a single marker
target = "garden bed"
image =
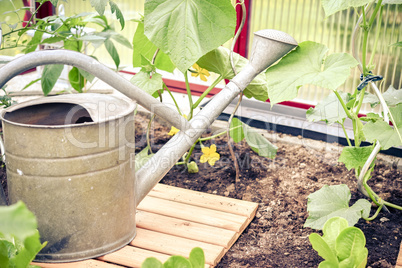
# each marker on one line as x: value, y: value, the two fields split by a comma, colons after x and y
x: 276, y: 237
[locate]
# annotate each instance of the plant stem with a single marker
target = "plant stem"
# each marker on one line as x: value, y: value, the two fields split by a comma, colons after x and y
x: 217, y: 135
x: 375, y: 214
x: 206, y: 92
x: 174, y: 100
x: 359, y: 105
x: 148, y: 131
x: 190, y: 152
x: 377, y: 37
x: 346, y: 134
x: 392, y: 205
x: 190, y: 98
x: 343, y: 104
x: 377, y: 8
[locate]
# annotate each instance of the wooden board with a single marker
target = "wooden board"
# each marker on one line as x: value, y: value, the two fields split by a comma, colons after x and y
x: 399, y: 260
x: 172, y: 221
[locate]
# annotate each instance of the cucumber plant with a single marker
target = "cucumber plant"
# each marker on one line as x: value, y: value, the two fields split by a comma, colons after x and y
x: 311, y: 64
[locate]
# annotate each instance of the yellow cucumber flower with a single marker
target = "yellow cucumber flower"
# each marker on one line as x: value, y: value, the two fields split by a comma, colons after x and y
x: 202, y: 73
x: 174, y: 130
x: 209, y: 155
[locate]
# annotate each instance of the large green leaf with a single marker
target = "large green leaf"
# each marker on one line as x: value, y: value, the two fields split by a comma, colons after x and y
x: 307, y: 64
x: 259, y: 143
x: 119, y: 15
x: 99, y: 5
x: 188, y: 29
x: 177, y: 262
x: 392, y: 97
x: 151, y: 85
x: 350, y: 242
x: 16, y: 220
x: 151, y: 262
x: 331, y: 230
x: 111, y: 49
x: 27, y: 253
x: 197, y: 258
x: 323, y: 250
x: 76, y: 79
x: 333, y: 201
x: 329, y: 110
x: 381, y: 131
x: 142, y: 47
x: 50, y: 75
x: 218, y: 61
x: 355, y: 157
x: 236, y: 130
x: 331, y: 6
x: 142, y: 157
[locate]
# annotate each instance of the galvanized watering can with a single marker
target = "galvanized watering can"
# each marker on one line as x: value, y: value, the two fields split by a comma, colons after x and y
x: 70, y: 158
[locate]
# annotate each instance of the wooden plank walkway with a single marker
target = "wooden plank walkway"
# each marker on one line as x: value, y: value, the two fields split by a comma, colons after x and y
x: 399, y: 260
x: 172, y: 221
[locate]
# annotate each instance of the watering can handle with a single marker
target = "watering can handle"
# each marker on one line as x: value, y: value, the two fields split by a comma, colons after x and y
x: 84, y: 62
x: 3, y: 200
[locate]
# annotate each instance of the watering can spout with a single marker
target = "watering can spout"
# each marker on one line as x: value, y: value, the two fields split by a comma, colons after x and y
x: 268, y: 47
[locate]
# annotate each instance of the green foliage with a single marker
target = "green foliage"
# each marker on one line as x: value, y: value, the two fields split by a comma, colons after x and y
x: 381, y: 131
x: 71, y: 32
x: 195, y: 260
x: 355, y: 157
x: 50, y: 76
x: 331, y: 7
x: 308, y: 64
x: 19, y: 238
x: 333, y: 201
x: 5, y: 99
x: 142, y: 47
x: 392, y: 97
x: 340, y: 245
x: 217, y: 61
x: 142, y: 157
x: 257, y: 142
x: 186, y: 30
x: 329, y: 110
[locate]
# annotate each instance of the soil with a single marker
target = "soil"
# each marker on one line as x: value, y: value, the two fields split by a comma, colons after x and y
x: 276, y: 237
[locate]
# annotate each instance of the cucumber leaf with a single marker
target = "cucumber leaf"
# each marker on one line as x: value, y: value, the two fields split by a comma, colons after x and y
x: 150, y: 84
x: 142, y: 157
x: 186, y: 29
x: 333, y: 201
x: 142, y: 47
x: 387, y: 135
x: 355, y: 157
x: 331, y: 7
x: 259, y: 143
x: 329, y: 110
x: 307, y: 64
x: 236, y: 130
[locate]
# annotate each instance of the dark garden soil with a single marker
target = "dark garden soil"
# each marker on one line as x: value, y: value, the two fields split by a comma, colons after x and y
x: 276, y: 237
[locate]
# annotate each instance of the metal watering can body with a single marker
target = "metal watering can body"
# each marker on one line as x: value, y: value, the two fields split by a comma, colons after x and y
x: 71, y: 158
x: 68, y: 158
